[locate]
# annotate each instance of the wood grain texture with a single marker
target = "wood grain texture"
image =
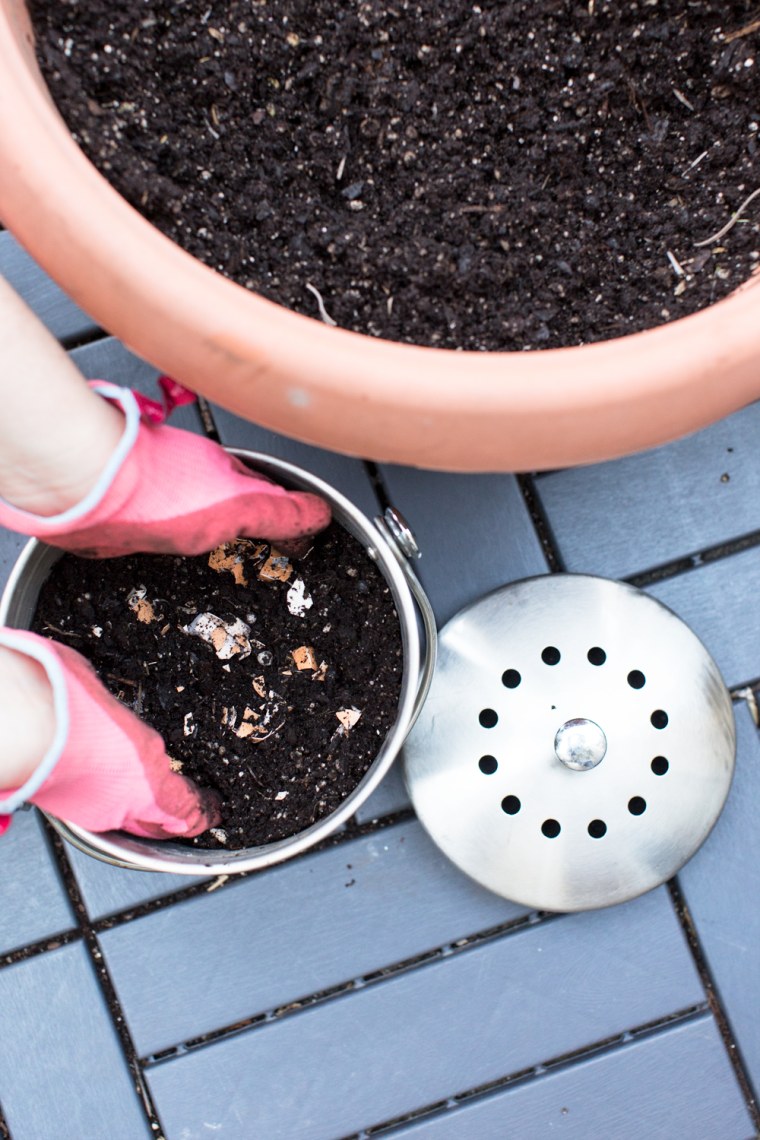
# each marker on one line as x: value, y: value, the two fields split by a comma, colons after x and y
x: 33, y: 901
x: 107, y: 890
x: 437, y: 1030
x: 621, y: 518
x: 348, y: 476
x: 718, y: 602
x: 474, y: 532
x: 290, y: 932
x: 64, y: 319
x: 62, y: 1071
x: 721, y: 885
x: 674, y: 1085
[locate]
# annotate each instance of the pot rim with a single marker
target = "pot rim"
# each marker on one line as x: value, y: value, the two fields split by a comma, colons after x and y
x: 135, y: 853
x: 350, y: 393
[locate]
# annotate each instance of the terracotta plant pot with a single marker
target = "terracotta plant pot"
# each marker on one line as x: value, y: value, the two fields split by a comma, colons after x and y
x: 390, y: 545
x: 350, y: 393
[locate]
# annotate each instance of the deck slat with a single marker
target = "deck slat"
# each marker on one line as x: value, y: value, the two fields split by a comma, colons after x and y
x: 717, y: 601
x: 619, y: 519
x: 33, y: 902
x: 676, y: 1085
x: 64, y: 319
x: 62, y: 1071
x: 721, y: 886
x: 293, y: 931
x: 474, y: 532
x: 437, y: 1030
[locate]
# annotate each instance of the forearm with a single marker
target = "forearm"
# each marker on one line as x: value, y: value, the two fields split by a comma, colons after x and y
x: 27, y: 718
x: 55, y: 434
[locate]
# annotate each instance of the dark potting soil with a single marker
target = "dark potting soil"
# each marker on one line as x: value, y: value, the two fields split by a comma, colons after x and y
x: 264, y: 712
x: 501, y: 175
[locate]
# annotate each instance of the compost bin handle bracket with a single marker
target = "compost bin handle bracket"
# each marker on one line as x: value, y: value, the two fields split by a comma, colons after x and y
x: 400, y: 537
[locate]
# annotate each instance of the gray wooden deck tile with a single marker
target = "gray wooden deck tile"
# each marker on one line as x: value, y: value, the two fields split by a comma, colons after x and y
x: 52, y: 306
x: 675, y: 1085
x: 721, y: 885
x: 290, y: 932
x: 348, y: 476
x: 33, y: 902
x: 474, y: 532
x: 437, y: 1030
x: 11, y: 545
x: 630, y: 515
x: 718, y: 601
x: 62, y: 1071
x: 107, y: 890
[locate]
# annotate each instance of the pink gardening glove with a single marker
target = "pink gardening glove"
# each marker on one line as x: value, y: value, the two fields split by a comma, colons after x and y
x: 167, y: 490
x: 106, y: 770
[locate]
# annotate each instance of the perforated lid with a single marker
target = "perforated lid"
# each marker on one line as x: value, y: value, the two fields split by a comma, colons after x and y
x: 577, y: 744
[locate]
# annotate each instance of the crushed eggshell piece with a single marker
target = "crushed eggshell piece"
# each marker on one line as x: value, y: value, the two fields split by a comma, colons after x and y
x: 348, y: 717
x: 304, y: 657
x: 282, y: 795
x: 259, y: 686
x: 277, y: 568
x: 175, y: 765
x: 298, y: 600
x: 188, y: 728
x: 247, y: 727
x: 229, y: 639
x: 219, y: 834
x: 229, y: 556
x: 140, y: 606
x: 321, y: 672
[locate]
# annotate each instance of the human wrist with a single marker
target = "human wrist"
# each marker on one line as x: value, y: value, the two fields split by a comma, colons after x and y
x: 27, y: 715
x: 50, y: 472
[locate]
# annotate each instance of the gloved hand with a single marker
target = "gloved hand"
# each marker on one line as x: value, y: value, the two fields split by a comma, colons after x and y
x: 167, y: 490
x: 105, y: 769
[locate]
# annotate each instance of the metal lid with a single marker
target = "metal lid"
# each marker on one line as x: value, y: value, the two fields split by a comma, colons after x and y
x: 577, y: 744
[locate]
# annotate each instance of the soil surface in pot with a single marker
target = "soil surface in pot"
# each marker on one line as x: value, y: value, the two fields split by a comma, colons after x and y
x: 499, y: 175
x: 273, y: 681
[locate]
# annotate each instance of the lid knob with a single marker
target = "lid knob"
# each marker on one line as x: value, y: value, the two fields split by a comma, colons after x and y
x: 580, y: 744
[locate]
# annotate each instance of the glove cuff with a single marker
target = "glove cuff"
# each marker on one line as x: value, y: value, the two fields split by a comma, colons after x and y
x: 32, y: 646
x: 24, y: 522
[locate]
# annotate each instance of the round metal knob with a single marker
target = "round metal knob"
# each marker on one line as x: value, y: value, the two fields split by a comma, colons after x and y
x: 580, y: 744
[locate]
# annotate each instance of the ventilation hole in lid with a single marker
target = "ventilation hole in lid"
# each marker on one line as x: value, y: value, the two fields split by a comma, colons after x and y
x: 597, y: 829
x: 551, y: 655
x: 637, y: 805
x: 550, y: 828
x: 659, y: 718
x: 511, y: 805
x: 488, y: 765
x: 596, y: 655
x: 511, y: 679
x: 660, y: 765
x: 488, y: 718
x: 636, y: 679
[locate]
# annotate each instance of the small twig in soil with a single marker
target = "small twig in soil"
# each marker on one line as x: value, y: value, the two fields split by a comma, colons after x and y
x: 696, y: 162
x: 323, y: 313
x: 731, y: 222
x: 682, y: 99
x: 678, y: 269
x: 481, y: 209
x: 747, y: 30
x: 63, y: 632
